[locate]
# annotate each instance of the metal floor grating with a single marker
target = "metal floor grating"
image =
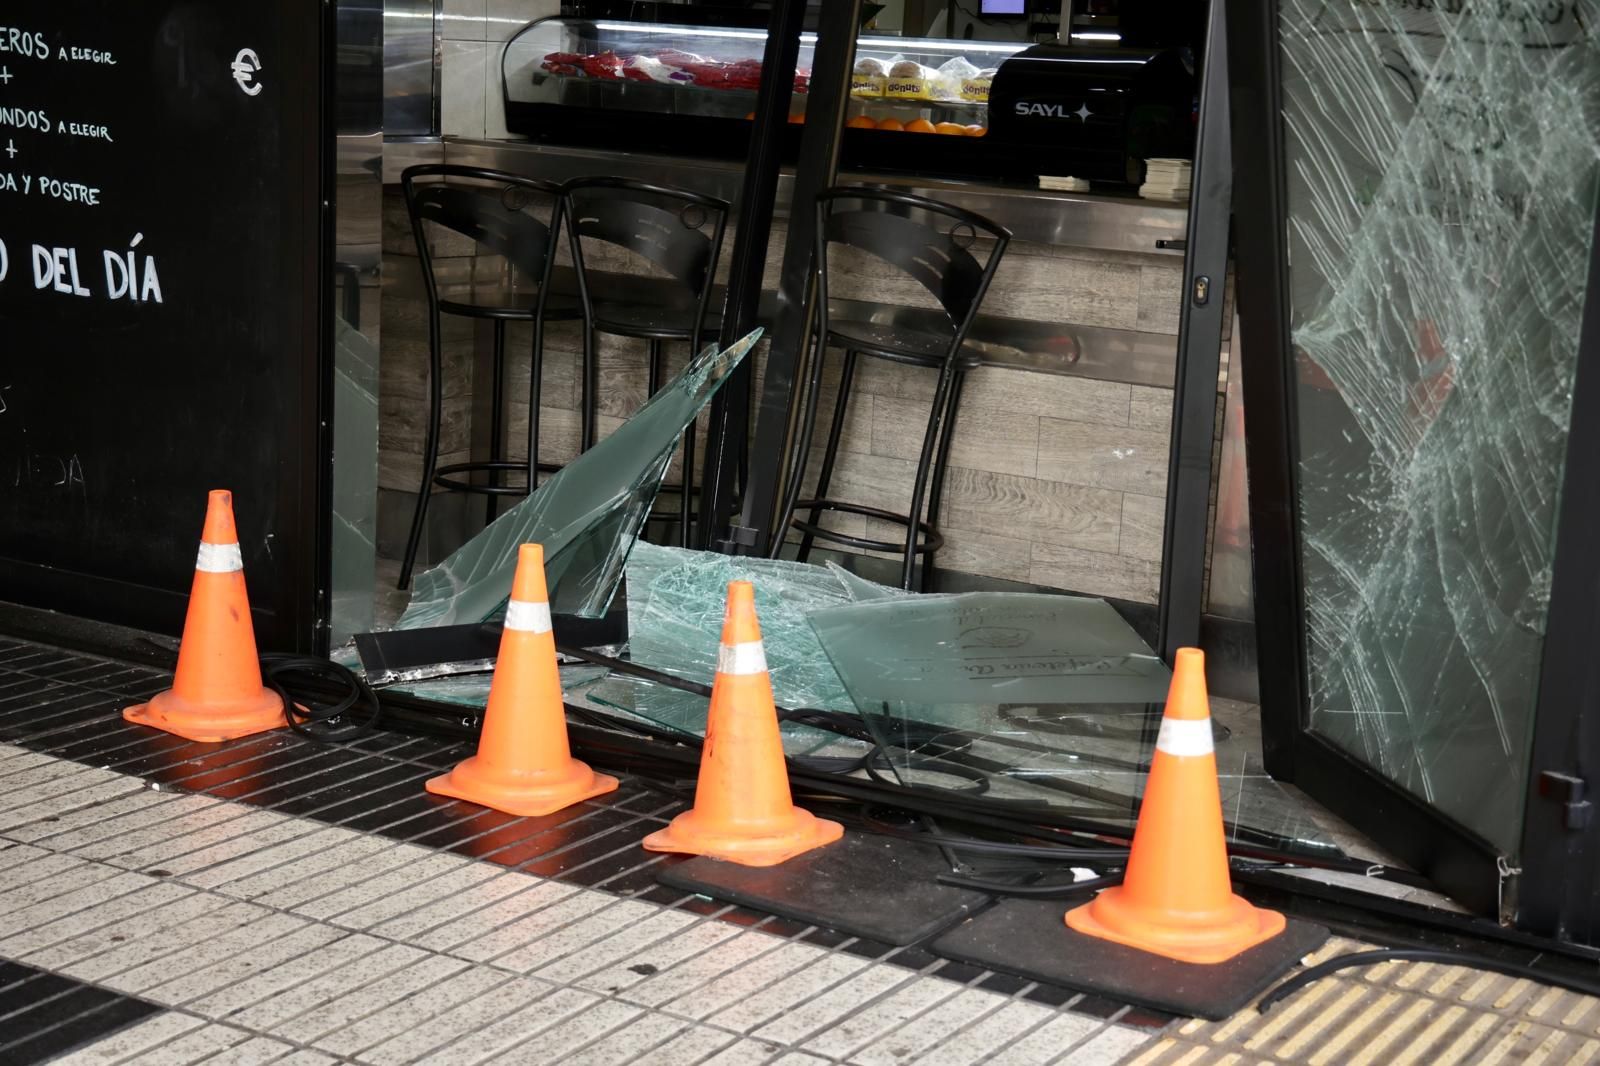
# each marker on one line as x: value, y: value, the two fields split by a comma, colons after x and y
x: 43, y: 1015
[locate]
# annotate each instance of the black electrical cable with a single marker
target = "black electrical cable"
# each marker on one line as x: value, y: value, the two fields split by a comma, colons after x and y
x: 1031, y: 891
x: 822, y: 764
x: 922, y: 738
x: 979, y: 780
x: 1351, y: 866
x: 607, y: 737
x: 348, y: 718
x: 847, y: 725
x: 1446, y: 958
x: 995, y: 847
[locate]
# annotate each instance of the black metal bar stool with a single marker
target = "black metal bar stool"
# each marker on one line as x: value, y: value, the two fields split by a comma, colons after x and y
x: 679, y: 233
x: 514, y: 223
x: 938, y: 246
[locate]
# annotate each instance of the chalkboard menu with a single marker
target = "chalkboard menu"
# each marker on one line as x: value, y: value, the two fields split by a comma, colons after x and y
x: 161, y: 249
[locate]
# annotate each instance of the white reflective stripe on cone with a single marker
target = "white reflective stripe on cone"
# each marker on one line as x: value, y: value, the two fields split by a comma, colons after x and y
x: 528, y: 617
x: 219, y: 558
x: 746, y: 658
x: 1181, y: 737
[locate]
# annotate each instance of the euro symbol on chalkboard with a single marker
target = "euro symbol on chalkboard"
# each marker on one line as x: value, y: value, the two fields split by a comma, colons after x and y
x: 245, y: 65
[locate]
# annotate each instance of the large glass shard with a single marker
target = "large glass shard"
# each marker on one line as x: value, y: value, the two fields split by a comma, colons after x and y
x: 676, y: 600
x: 1442, y: 164
x: 1045, y: 701
x: 586, y: 516
x: 860, y: 589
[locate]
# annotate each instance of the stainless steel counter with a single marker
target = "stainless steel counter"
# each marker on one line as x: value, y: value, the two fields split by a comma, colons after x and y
x: 1118, y: 225
x: 1076, y: 220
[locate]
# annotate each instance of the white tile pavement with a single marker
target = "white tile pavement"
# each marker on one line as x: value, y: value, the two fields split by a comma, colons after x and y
x: 280, y: 940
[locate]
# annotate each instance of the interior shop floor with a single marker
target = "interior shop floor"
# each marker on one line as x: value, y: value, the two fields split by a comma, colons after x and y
x: 276, y: 900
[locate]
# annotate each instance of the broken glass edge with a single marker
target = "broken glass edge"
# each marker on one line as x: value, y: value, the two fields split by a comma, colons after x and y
x: 579, y: 507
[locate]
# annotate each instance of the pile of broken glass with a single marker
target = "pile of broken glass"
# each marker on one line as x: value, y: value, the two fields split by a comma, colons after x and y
x: 1042, y: 699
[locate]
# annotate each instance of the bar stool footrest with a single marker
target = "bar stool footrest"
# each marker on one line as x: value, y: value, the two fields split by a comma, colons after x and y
x: 444, y: 476
x: 930, y: 539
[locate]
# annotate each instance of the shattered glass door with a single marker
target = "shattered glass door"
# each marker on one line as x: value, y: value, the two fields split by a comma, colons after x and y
x: 1442, y: 164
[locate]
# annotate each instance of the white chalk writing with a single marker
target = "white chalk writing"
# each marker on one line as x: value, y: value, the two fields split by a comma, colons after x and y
x: 30, y: 44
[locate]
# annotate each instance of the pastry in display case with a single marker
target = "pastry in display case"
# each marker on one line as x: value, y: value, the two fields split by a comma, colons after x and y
x: 983, y: 109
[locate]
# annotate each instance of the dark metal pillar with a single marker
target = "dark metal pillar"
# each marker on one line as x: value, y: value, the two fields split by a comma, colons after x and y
x: 819, y: 163
x: 1194, y: 400
x: 726, y: 443
x: 1558, y: 892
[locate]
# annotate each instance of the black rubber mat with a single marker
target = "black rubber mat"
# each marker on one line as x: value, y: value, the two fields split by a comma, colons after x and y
x: 1030, y: 938
x: 43, y: 1015
x: 870, y: 886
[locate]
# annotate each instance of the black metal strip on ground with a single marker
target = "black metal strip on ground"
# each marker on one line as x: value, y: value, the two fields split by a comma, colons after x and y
x: 44, y: 1015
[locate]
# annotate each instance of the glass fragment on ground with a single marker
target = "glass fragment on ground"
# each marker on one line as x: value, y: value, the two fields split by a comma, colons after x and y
x: 586, y: 515
x: 1039, y: 700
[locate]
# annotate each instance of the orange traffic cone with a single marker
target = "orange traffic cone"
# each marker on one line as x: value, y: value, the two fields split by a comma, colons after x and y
x: 217, y: 693
x: 524, y: 765
x: 1176, y: 899
x: 743, y: 811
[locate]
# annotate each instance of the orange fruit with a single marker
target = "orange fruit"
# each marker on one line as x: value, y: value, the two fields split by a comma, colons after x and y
x: 951, y: 128
x: 862, y: 122
x: 976, y: 131
x: 920, y: 125
x: 891, y: 124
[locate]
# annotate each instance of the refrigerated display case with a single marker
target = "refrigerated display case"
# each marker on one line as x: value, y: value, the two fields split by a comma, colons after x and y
x: 918, y: 105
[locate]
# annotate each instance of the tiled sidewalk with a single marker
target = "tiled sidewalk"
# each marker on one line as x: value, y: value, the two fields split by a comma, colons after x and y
x: 271, y: 938
x: 278, y: 900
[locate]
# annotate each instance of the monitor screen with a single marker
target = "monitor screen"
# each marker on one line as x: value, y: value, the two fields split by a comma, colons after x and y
x: 1003, y: 7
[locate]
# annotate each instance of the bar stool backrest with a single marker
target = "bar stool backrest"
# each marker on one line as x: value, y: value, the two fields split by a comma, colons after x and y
x: 677, y: 231
x: 931, y: 242
x: 507, y: 217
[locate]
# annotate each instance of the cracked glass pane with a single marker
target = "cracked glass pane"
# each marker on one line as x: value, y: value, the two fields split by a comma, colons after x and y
x: 355, y: 480
x: 1049, y: 701
x: 586, y: 515
x: 1442, y: 166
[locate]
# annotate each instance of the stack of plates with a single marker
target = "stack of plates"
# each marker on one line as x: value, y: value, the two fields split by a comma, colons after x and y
x: 1063, y: 184
x: 1166, y: 179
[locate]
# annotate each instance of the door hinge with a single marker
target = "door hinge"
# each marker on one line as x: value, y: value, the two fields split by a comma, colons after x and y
x: 1506, y: 891
x: 1571, y: 792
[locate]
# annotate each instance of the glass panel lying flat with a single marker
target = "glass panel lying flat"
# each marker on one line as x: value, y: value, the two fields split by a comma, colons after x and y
x: 982, y: 647
x: 586, y: 515
x: 1052, y: 702
x: 1442, y: 162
